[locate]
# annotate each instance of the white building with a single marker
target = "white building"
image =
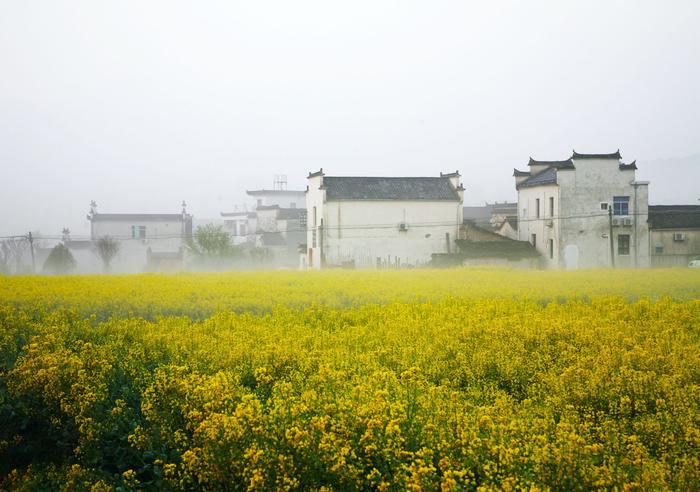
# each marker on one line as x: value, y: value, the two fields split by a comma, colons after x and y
x: 566, y: 209
x: 381, y: 221
x: 147, y: 241
x: 282, y: 197
x: 674, y: 234
x: 236, y: 225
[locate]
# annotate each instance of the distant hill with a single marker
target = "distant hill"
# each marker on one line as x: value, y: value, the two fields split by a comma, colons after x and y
x: 674, y: 181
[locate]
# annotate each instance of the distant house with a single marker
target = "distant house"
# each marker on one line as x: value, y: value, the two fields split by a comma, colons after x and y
x: 282, y: 197
x: 482, y: 246
x: 147, y: 241
x: 381, y: 221
x: 564, y: 209
x: 508, y: 228
x: 280, y: 232
x: 674, y: 234
x: 492, y: 215
x: 236, y: 224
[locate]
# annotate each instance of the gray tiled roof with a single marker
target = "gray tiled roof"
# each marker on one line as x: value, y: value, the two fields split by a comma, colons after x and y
x: 383, y: 188
x: 674, y: 216
x: 290, y: 213
x: 614, y: 155
x: 568, y: 163
x: 513, y: 221
x: 548, y: 176
x: 628, y: 167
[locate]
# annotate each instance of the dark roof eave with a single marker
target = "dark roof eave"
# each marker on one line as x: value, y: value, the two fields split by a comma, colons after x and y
x: 535, y: 185
x: 613, y: 155
x: 393, y: 199
x: 567, y: 163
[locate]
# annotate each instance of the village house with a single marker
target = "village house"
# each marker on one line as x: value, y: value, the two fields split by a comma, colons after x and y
x: 283, y: 197
x: 484, y: 246
x: 501, y: 218
x: 568, y: 208
x: 490, y: 215
x: 674, y: 234
x: 280, y: 232
x: 272, y: 227
x: 380, y: 222
x: 236, y: 224
x: 146, y: 241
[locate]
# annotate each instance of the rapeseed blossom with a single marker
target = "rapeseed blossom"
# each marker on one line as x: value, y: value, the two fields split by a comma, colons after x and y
x: 419, y: 380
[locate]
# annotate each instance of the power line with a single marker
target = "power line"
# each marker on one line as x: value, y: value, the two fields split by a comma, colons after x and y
x: 349, y: 227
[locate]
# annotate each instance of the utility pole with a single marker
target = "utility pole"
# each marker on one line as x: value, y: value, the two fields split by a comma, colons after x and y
x: 31, y: 249
x: 612, y: 247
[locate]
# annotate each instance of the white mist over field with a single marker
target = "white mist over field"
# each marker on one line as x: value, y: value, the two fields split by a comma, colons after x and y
x: 139, y: 105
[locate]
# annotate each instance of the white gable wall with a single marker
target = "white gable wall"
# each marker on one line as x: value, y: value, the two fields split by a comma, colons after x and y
x: 579, y: 228
x: 365, y: 230
x: 161, y: 236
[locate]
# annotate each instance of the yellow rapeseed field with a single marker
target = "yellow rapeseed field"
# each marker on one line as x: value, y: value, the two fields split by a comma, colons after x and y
x: 349, y: 380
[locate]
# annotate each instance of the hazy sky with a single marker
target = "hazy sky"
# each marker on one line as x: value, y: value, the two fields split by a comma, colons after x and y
x: 139, y: 104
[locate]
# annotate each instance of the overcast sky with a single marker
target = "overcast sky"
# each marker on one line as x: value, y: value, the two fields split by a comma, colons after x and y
x: 139, y: 104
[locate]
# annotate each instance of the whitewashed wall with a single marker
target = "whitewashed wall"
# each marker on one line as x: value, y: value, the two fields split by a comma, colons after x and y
x: 161, y: 236
x: 364, y: 230
x: 580, y: 228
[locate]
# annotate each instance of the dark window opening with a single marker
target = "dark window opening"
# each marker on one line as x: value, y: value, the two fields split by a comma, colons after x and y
x: 623, y: 244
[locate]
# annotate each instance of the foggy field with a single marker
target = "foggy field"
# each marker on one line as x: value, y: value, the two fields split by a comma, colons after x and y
x: 413, y: 379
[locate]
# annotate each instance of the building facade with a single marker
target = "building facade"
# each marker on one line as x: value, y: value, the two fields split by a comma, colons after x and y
x: 146, y: 241
x: 236, y: 225
x: 674, y: 234
x: 371, y: 222
x: 284, y: 198
x: 567, y: 210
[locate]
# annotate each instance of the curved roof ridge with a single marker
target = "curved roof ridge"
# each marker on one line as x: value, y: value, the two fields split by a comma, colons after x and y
x: 613, y: 155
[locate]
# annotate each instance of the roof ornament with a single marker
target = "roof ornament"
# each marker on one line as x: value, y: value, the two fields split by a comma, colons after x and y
x: 93, y: 210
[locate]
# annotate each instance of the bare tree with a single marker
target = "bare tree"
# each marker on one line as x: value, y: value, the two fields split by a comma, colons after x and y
x: 11, y: 253
x: 106, y: 248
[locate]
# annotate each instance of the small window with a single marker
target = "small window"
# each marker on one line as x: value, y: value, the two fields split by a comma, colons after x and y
x: 242, y: 230
x: 524, y: 213
x: 314, y: 222
x: 551, y: 206
x: 603, y: 205
x: 302, y: 219
x: 313, y: 238
x: 659, y: 249
x: 537, y: 208
x: 138, y: 232
x: 551, y: 249
x: 534, y: 239
x: 621, y: 205
x: 623, y: 244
